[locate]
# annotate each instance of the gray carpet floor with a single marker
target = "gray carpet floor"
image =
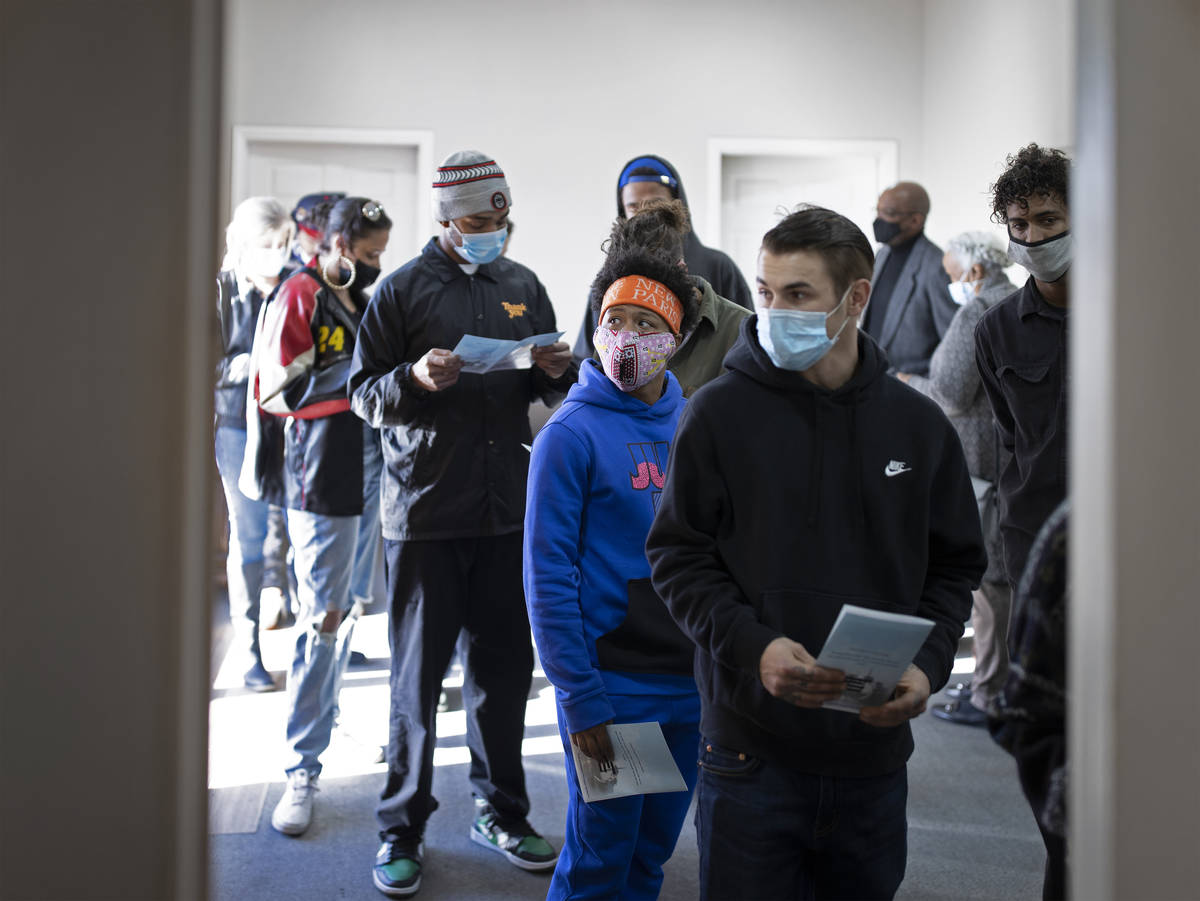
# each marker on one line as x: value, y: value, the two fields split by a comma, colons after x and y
x: 971, y: 835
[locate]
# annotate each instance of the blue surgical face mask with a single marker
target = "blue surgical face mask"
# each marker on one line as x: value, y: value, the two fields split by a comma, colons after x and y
x: 480, y: 248
x: 797, y: 339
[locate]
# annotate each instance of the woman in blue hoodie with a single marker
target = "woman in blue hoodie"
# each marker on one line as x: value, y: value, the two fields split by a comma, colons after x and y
x: 604, y: 637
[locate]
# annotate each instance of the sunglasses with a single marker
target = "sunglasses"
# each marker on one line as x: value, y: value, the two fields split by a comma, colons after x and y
x: 372, y: 210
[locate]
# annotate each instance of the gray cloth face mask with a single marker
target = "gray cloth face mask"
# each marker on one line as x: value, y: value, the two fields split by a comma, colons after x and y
x: 1047, y: 260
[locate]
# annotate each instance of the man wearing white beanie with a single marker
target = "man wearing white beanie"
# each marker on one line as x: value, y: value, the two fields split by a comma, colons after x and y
x: 453, y: 510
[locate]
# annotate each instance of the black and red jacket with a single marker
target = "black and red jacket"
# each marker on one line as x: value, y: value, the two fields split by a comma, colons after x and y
x: 302, y: 360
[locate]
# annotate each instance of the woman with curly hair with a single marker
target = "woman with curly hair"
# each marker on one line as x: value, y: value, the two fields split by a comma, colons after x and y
x: 605, y: 639
x: 664, y: 225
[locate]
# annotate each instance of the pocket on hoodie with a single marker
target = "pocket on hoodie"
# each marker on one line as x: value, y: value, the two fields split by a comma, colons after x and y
x: 808, y: 616
x: 647, y: 640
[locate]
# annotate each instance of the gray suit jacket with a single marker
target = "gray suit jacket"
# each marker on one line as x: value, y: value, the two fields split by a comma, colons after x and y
x: 920, y: 310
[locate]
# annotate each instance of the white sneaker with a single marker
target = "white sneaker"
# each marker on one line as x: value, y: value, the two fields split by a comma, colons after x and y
x: 293, y: 813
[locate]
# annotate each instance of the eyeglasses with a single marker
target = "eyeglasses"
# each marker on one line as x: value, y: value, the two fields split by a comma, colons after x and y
x: 372, y: 210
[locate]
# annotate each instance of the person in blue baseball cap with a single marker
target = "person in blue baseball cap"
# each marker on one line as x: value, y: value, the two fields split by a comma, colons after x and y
x: 650, y: 177
x: 308, y: 234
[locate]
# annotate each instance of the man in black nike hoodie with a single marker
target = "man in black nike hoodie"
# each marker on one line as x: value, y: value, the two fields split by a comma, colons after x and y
x: 804, y: 479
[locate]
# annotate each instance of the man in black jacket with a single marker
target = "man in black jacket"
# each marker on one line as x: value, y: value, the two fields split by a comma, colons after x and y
x: 805, y: 479
x: 454, y: 446
x: 1021, y: 349
x: 653, y: 178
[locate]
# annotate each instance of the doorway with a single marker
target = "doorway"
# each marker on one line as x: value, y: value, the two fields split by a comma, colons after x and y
x: 385, y: 165
x: 752, y: 181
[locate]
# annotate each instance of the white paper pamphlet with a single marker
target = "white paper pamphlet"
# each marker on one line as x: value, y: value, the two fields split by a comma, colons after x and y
x: 493, y: 354
x: 642, y: 765
x: 873, y: 648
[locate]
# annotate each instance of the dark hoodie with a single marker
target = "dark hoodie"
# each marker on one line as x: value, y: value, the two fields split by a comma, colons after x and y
x: 783, y: 501
x: 711, y: 265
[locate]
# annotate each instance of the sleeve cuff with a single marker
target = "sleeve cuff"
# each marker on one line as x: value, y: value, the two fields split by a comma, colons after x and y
x: 587, y: 712
x: 748, y: 644
x: 929, y: 662
x: 406, y: 377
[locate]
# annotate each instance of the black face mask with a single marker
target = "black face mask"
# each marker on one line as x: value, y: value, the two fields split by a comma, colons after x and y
x: 885, y: 231
x: 364, y: 276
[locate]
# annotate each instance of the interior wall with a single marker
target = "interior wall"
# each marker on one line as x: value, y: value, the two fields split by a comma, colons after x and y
x: 106, y: 454
x: 1135, y: 543
x: 562, y: 95
x: 996, y: 76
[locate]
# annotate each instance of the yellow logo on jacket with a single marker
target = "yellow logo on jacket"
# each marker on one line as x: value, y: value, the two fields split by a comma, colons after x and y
x: 513, y: 309
x: 326, y: 339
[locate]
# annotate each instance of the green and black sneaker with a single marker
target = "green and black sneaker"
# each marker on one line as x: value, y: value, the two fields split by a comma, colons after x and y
x: 397, y: 869
x: 514, y: 838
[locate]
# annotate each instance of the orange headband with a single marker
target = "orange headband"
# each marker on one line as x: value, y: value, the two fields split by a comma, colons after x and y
x: 647, y: 293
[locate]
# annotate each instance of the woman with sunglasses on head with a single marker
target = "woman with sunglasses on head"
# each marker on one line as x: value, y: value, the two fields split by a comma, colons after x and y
x: 329, y: 470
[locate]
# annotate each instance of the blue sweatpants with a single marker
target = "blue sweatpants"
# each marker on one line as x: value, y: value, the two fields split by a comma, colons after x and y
x: 616, y: 848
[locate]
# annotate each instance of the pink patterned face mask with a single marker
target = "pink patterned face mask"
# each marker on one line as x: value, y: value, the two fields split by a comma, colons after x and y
x: 631, y: 360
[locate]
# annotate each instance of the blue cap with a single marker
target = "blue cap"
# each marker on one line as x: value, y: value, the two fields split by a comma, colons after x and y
x: 664, y: 176
x: 303, y: 210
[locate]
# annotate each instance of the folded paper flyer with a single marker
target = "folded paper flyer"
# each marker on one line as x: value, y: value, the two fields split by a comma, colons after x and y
x: 873, y: 648
x: 492, y: 354
x: 642, y: 765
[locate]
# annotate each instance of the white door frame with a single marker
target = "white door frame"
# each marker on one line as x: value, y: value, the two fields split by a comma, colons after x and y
x: 886, y: 153
x: 244, y: 135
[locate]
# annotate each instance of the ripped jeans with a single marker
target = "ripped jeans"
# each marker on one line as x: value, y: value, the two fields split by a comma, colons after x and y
x: 335, y: 557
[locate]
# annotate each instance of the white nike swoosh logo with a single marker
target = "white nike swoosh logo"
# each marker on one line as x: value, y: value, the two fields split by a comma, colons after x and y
x: 894, y: 469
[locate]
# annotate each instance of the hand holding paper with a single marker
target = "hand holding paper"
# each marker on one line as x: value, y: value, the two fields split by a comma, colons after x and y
x: 552, y: 358
x: 479, y: 354
x: 791, y: 674
x: 912, y: 691
x: 437, y: 370
x: 641, y: 764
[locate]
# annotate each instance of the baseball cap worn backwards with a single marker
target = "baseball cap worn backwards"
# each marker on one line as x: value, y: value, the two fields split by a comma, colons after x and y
x: 302, y: 212
x: 663, y: 175
x: 469, y: 182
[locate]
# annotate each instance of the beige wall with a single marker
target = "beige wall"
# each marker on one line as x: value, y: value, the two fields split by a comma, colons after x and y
x: 563, y: 94
x: 1135, y: 715
x: 108, y: 158
x: 996, y: 75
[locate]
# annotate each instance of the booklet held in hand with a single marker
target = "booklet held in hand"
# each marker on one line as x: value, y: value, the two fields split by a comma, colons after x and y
x: 873, y: 648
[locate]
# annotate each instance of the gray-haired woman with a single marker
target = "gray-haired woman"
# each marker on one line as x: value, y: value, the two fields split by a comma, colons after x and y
x: 975, y: 262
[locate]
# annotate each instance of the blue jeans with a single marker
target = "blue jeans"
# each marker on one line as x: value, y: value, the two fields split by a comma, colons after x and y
x: 247, y: 532
x: 768, y: 832
x: 616, y: 848
x: 328, y: 566
x: 366, y: 551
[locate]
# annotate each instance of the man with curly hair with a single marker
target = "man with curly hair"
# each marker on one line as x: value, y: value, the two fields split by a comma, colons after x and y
x: 1021, y: 350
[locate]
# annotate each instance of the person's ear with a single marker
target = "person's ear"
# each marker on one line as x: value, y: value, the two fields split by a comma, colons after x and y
x: 975, y: 273
x: 859, y: 295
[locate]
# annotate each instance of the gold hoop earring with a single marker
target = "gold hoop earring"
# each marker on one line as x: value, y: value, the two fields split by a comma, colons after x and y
x: 325, y: 274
